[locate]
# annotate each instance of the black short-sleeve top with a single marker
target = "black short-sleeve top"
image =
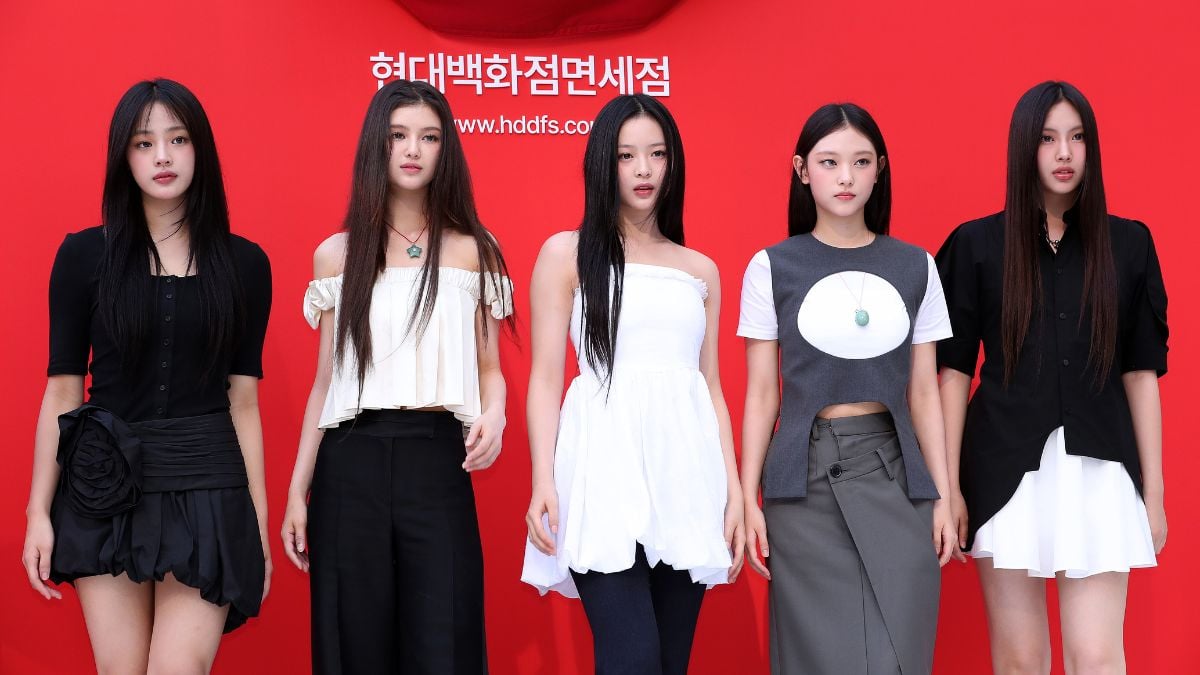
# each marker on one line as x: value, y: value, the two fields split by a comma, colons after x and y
x: 1053, y: 385
x: 166, y: 379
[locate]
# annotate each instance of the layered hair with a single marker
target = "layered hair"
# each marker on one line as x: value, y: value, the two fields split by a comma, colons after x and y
x: 449, y: 206
x: 600, y: 259
x: 1025, y: 230
x: 831, y: 117
x: 126, y: 291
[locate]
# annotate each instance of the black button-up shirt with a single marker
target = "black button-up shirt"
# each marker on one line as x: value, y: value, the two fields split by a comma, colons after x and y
x: 166, y: 379
x: 1054, y: 384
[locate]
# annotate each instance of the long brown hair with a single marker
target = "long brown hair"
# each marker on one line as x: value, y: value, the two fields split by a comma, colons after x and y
x: 1023, y: 233
x: 449, y: 205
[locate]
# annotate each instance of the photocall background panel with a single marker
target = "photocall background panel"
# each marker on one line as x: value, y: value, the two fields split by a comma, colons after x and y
x: 286, y: 85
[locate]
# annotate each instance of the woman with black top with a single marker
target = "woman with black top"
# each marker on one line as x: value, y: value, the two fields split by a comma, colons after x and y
x: 407, y: 401
x: 1061, y: 445
x: 155, y: 509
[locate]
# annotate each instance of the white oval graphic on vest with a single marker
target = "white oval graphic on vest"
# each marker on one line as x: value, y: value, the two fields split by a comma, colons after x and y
x: 827, y: 317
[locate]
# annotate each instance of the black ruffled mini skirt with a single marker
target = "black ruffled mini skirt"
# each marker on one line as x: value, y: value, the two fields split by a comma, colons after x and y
x: 150, y: 498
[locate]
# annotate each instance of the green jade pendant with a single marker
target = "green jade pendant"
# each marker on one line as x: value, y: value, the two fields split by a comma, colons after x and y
x: 861, y: 317
x: 414, y: 251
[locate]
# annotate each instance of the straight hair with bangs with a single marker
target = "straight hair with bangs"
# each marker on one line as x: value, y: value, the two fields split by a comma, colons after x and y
x: 600, y: 258
x: 126, y: 296
x: 831, y: 117
x: 1025, y: 227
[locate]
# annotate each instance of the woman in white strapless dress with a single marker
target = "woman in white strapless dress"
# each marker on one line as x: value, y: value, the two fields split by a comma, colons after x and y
x: 636, y: 505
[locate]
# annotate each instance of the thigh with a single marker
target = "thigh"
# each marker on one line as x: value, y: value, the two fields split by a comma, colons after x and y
x: 1092, y: 614
x: 620, y: 611
x: 677, y: 601
x: 187, y: 629
x: 1016, y: 614
x: 119, y: 615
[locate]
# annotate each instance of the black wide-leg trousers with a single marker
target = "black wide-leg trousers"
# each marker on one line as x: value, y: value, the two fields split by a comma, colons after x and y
x: 396, y: 563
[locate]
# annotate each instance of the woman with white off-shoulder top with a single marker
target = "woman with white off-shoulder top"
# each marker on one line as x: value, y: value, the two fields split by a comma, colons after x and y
x: 408, y: 399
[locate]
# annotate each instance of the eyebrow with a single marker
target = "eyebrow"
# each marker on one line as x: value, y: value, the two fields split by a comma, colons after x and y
x: 178, y: 127
x: 1077, y: 127
x: 831, y: 152
x: 403, y: 126
x: 631, y: 145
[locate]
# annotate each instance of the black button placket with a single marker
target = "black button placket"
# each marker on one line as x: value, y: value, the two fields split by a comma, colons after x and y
x: 1063, y: 329
x: 166, y: 301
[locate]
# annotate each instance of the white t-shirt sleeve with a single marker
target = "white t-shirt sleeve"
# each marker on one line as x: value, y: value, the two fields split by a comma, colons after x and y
x: 933, y: 319
x: 757, y: 318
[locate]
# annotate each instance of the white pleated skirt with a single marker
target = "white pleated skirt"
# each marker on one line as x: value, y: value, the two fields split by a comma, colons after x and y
x: 1075, y: 515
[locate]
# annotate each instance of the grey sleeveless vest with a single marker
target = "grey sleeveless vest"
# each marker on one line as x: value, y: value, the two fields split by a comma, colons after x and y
x: 813, y: 379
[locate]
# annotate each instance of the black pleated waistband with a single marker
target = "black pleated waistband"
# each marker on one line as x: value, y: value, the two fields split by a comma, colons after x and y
x: 190, y: 453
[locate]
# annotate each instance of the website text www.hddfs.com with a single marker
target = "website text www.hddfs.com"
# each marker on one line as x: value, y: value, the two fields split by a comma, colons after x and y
x: 525, y: 124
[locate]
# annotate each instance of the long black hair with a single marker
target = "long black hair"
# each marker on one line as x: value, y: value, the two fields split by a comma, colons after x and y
x: 600, y: 259
x: 126, y: 296
x: 831, y: 117
x: 1024, y: 223
x: 449, y: 205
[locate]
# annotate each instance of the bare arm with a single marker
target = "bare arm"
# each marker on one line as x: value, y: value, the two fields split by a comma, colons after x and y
x: 484, y: 439
x: 63, y: 393
x: 925, y: 405
x: 551, y: 296
x: 243, y: 407
x: 758, y: 425
x: 734, y: 527
x: 1141, y: 388
x: 955, y: 387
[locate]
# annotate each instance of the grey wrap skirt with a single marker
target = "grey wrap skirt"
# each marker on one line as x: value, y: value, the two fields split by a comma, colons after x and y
x: 855, y: 579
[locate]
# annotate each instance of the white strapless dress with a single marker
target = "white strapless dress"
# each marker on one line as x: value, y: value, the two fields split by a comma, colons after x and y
x: 640, y: 462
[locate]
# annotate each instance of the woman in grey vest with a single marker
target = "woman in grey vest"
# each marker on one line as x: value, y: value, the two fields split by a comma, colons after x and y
x: 852, y: 476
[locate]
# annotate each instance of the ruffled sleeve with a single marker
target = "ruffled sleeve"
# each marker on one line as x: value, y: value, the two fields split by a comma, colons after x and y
x: 322, y: 294
x: 1145, y: 336
x: 498, y: 294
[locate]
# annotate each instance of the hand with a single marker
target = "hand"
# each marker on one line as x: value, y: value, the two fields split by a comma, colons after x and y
x: 945, y: 538
x: 1158, y: 523
x: 39, y: 543
x: 295, y: 532
x: 756, y: 539
x: 735, y: 532
x: 483, y: 441
x: 958, y: 517
x: 544, y: 501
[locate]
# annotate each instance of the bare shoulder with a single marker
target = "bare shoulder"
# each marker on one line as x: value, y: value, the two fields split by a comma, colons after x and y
x: 557, y: 256
x: 330, y: 256
x: 459, y: 250
x: 700, y: 266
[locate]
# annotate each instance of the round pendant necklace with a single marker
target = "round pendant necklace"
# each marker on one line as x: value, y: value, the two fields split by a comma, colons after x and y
x: 861, y: 316
x: 413, y: 250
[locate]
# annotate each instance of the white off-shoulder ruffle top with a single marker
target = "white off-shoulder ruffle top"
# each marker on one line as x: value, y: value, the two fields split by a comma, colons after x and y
x: 436, y: 368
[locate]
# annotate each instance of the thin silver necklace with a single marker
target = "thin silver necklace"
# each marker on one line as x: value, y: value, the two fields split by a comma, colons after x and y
x: 861, y: 316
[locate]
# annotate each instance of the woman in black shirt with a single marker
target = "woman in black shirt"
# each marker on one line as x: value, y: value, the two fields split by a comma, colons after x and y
x: 1061, y: 445
x: 156, y: 506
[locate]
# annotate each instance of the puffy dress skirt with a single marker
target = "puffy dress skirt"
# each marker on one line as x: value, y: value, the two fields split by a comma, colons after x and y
x: 153, y: 498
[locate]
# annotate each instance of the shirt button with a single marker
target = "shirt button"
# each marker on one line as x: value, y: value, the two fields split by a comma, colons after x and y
x: 1058, y: 270
x: 1066, y: 362
x: 162, y: 387
x: 164, y: 364
x: 170, y: 295
x: 158, y: 411
x: 167, y: 318
x: 166, y: 342
x: 170, y: 279
x: 1062, y: 315
x: 835, y: 471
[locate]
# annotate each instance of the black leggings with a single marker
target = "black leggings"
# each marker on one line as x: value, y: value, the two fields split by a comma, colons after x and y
x: 397, y: 567
x: 643, y: 619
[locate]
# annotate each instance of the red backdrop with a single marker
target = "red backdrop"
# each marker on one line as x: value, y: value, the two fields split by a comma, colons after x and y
x: 286, y: 85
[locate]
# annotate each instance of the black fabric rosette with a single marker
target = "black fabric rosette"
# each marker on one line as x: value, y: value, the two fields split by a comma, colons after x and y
x: 101, y: 461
